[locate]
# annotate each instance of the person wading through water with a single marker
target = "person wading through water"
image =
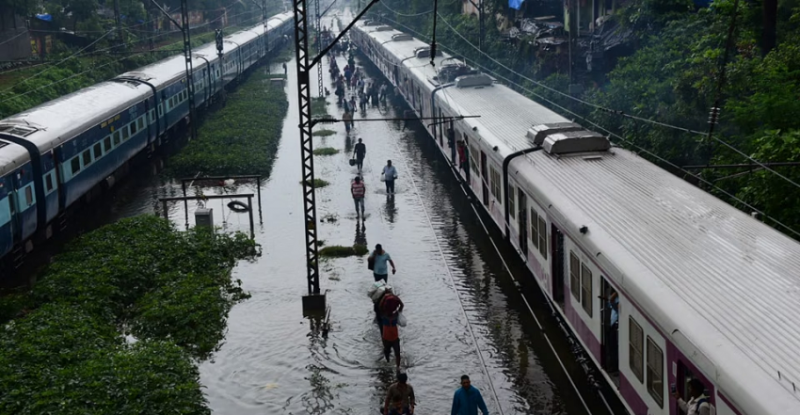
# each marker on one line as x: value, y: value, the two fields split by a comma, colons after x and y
x: 360, y: 152
x: 378, y: 259
x: 389, y: 176
x: 400, y: 398
x: 390, y: 308
x: 358, y: 190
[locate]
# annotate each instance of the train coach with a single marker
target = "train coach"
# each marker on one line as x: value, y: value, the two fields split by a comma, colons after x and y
x: 54, y: 154
x: 704, y: 290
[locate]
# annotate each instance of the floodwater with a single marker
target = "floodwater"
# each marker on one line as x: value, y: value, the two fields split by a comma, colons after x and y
x: 464, y: 314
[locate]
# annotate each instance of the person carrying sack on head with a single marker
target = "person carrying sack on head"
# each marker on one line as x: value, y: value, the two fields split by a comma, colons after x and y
x: 389, y: 176
x: 359, y: 153
x: 358, y: 190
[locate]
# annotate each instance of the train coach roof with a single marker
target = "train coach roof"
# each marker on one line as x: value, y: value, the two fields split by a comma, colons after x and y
x: 69, y: 115
x: 11, y: 157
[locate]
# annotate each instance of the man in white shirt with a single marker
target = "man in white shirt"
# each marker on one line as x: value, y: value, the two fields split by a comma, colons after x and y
x: 699, y: 403
x: 389, y: 174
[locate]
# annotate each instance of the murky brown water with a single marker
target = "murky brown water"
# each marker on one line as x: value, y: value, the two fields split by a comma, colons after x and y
x: 449, y: 277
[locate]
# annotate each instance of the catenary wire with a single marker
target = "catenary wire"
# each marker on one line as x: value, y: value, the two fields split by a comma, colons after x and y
x: 619, y: 112
x: 621, y: 138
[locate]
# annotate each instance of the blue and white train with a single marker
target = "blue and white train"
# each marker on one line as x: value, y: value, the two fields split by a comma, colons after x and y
x: 54, y: 154
x: 705, y: 291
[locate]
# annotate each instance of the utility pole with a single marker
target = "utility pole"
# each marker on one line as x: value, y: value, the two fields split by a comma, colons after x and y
x: 187, y: 54
x: 219, y: 37
x: 571, y: 28
x: 314, y: 302
x: 479, y: 6
x: 319, y: 47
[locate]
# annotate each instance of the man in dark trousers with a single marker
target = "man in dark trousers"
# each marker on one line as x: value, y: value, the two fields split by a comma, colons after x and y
x: 390, y: 307
x: 360, y: 152
x: 400, y: 398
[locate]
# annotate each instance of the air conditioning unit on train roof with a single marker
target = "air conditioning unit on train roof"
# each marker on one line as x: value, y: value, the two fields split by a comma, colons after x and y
x: 425, y: 52
x: 370, y: 23
x: 538, y: 133
x: 402, y: 36
x: 467, y: 81
x: 575, y: 142
x: 383, y: 28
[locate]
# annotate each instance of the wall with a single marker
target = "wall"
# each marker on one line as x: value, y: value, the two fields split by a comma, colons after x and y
x: 15, y: 41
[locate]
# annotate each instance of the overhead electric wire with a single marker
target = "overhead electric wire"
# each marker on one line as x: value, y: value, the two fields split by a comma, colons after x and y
x: 618, y: 112
x: 60, y: 62
x: 631, y: 143
x: 14, y: 37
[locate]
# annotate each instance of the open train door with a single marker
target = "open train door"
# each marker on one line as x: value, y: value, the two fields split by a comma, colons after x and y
x: 522, y: 218
x: 557, y: 245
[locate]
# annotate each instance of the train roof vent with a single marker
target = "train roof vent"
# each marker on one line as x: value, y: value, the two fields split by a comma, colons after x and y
x: 370, y: 23
x: 383, y: 28
x: 539, y: 132
x: 17, y: 130
x: 402, y: 36
x: 425, y: 52
x: 467, y: 81
x: 575, y: 142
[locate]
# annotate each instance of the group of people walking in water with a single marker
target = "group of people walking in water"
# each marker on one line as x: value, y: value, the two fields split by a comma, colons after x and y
x: 387, y: 305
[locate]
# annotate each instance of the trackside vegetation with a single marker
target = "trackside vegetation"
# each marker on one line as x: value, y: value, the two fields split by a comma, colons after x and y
x: 338, y: 251
x: 240, y: 138
x: 117, y: 321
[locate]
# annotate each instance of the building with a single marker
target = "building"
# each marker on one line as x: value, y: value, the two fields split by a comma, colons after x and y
x: 15, y: 40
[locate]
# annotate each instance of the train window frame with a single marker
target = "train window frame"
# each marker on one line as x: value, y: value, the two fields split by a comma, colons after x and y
x: 86, y: 157
x: 543, y: 236
x: 75, y: 165
x: 48, y: 182
x: 534, y: 234
x: 575, y: 275
x: 586, y: 297
x: 97, y: 150
x: 473, y: 154
x: 494, y: 181
x: 117, y: 138
x: 656, y: 393
x: 141, y: 122
x: 125, y: 134
x: 512, y: 204
x: 636, y: 354
x: 107, y: 144
x: 29, y: 195
x: 133, y: 127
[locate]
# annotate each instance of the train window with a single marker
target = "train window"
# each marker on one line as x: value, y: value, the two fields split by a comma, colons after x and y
x: 107, y: 144
x: 87, y: 158
x: 655, y: 372
x: 586, y: 289
x: 98, y: 151
x: 534, y: 228
x: 473, y: 153
x: 125, y: 134
x: 495, y: 182
x: 48, y: 182
x: 574, y: 275
x: 512, y: 193
x: 76, y: 165
x: 636, y: 349
x: 141, y: 122
x: 133, y: 128
x: 29, y: 195
x: 117, y: 138
x: 542, y: 237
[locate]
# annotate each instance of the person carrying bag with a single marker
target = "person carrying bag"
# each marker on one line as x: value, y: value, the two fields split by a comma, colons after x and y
x: 389, y: 175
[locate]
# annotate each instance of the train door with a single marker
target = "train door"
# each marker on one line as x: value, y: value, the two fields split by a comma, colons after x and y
x: 558, y: 265
x: 484, y: 179
x: 16, y: 224
x: 396, y: 76
x: 441, y: 126
x: 609, y: 335
x: 684, y: 376
x: 522, y: 220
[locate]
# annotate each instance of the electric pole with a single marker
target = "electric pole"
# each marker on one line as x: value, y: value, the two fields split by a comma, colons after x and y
x: 118, y: 22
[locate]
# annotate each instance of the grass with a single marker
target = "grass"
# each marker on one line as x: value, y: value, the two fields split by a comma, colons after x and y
x: 248, y: 128
x: 339, y: 251
x: 319, y: 107
x: 323, y: 133
x: 318, y: 183
x: 325, y: 151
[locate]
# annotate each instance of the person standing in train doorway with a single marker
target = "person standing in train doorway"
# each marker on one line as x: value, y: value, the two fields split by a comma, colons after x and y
x: 698, y: 404
x: 360, y: 152
x: 389, y: 176
x: 380, y: 269
x: 468, y: 400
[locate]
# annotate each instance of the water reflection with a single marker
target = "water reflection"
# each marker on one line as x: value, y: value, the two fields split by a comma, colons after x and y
x: 390, y: 208
x: 361, y: 233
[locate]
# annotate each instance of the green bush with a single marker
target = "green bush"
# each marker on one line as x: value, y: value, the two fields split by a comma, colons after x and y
x: 241, y: 138
x: 318, y: 183
x: 325, y: 151
x: 323, y: 133
x: 339, y: 251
